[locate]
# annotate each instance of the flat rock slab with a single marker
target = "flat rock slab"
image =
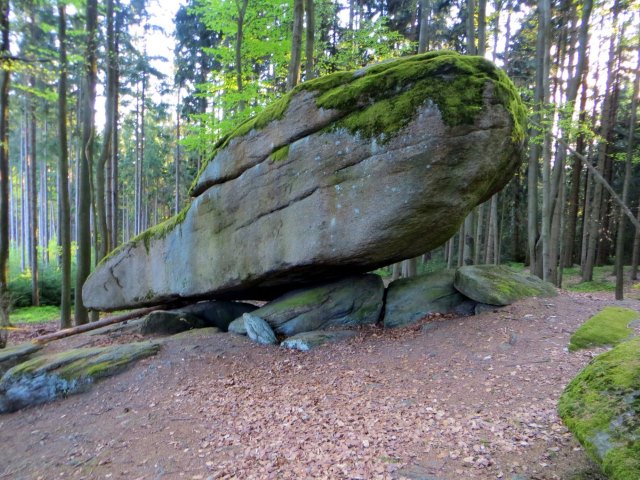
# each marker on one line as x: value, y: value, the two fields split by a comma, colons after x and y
x: 345, y: 174
x: 11, y: 356
x: 307, y: 340
x: 410, y: 299
x: 499, y: 284
x: 601, y: 407
x: 353, y: 301
x: 48, y: 377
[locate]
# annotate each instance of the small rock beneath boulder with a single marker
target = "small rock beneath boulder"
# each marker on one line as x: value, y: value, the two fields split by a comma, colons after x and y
x: 163, y: 322
x: 305, y: 341
x: 47, y: 377
x: 11, y: 356
x: 218, y: 313
x: 353, y: 301
x: 259, y: 330
x: 484, y: 307
x: 499, y: 284
x: 410, y: 299
x: 195, y: 333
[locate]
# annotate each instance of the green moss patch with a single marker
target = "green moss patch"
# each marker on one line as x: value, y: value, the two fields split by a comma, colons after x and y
x: 601, y: 407
x: 380, y: 100
x: 499, y: 284
x: 608, y: 327
x: 47, y: 377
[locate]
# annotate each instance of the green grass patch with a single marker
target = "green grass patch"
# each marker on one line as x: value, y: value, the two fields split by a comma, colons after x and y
x: 43, y: 314
x: 593, y: 286
x: 608, y: 327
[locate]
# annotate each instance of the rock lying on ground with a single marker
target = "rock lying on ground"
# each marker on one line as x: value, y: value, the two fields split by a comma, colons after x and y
x: 11, y: 356
x: 499, y: 284
x: 345, y: 174
x: 353, y: 301
x: 47, y: 377
x: 411, y: 299
x: 259, y: 330
x: 307, y: 340
x: 601, y: 407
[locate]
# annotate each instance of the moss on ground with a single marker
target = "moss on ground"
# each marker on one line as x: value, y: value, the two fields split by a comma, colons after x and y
x: 601, y: 407
x: 608, y: 327
x: 279, y: 154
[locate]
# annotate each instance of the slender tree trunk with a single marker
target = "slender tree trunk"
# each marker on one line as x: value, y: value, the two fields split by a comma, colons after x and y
x: 471, y: 29
x: 480, y: 234
x: 482, y: 27
x: 595, y: 220
x: 102, y: 230
x: 32, y: 193
x: 86, y: 158
x: 64, y: 214
x: 296, y: 44
x: 468, y: 249
x: 310, y: 8
x: 176, y: 208
x: 113, y: 198
x: 241, y: 5
x: 4, y: 173
x: 627, y: 182
x: 424, y: 38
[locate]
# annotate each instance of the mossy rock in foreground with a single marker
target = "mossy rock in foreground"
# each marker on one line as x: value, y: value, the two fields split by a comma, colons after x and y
x: 601, y: 407
x: 608, y: 327
x: 499, y: 284
x: 11, y: 356
x: 48, y: 377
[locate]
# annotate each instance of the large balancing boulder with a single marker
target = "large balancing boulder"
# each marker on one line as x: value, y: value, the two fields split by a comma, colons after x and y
x: 346, y: 173
x: 601, y: 407
x: 499, y: 284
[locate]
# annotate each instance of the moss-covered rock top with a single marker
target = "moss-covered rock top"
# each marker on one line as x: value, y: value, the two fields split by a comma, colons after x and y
x: 499, y: 284
x: 608, y: 327
x: 379, y: 100
x: 601, y: 407
x: 10, y: 356
x: 47, y: 377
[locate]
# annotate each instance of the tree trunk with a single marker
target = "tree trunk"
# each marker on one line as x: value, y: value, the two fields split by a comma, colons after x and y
x: 471, y: 40
x: 467, y: 252
x: 595, y: 220
x: 102, y: 229
x: 113, y: 197
x: 4, y: 174
x: 627, y: 182
x: 86, y: 158
x: 176, y: 208
x: 242, y: 9
x: 64, y: 210
x: 424, y: 38
x: 293, y: 76
x: 482, y: 27
x: 310, y: 8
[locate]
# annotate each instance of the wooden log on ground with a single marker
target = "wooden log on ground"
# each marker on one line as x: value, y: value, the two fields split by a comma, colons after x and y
x: 67, y: 332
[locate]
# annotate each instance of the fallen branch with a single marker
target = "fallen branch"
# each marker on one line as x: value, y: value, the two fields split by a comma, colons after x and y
x: 67, y: 332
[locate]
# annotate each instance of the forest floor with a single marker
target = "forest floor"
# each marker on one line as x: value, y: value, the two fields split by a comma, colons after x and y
x: 449, y: 398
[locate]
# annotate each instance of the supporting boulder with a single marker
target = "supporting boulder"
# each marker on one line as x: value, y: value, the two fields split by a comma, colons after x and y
x: 345, y: 174
x: 410, y: 299
x: 499, y: 284
x: 350, y: 302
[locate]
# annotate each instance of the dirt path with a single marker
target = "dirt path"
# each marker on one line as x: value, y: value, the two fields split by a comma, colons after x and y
x: 462, y: 398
